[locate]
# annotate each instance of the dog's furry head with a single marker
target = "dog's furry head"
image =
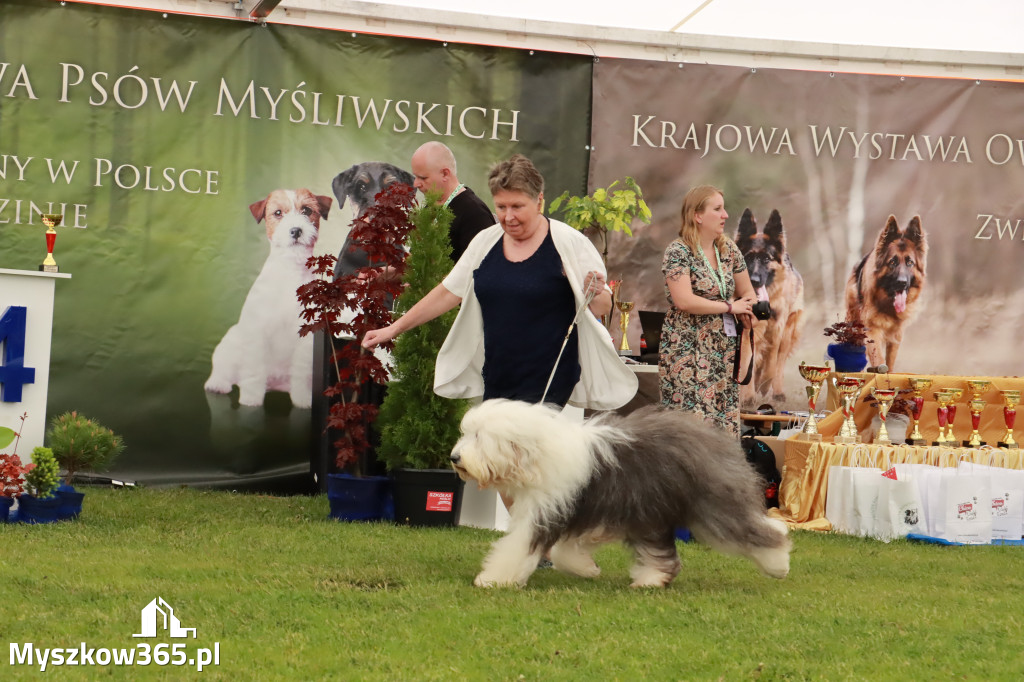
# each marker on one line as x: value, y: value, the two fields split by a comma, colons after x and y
x: 508, y: 444
x: 292, y: 217
x: 763, y: 251
x: 899, y: 264
x: 363, y: 181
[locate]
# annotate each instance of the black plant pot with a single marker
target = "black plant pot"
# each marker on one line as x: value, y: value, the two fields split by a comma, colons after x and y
x: 427, y: 497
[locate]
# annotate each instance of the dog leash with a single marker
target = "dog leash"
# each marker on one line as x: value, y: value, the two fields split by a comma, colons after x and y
x: 575, y: 319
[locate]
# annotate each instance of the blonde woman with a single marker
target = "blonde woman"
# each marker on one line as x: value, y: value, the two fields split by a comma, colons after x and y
x: 710, y: 298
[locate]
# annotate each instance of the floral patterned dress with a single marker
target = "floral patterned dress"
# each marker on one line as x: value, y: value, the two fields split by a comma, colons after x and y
x: 695, y: 364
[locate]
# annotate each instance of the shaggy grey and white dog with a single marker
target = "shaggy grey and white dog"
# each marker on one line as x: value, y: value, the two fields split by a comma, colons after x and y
x: 635, y: 479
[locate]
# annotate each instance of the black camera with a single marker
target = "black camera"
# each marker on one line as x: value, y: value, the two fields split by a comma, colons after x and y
x: 762, y: 310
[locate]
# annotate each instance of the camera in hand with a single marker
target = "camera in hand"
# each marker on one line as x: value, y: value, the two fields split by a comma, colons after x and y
x: 762, y: 310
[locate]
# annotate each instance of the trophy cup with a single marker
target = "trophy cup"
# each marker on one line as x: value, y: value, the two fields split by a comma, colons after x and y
x: 51, y: 220
x: 1010, y: 401
x: 977, y: 387
x: 917, y: 384
x: 954, y: 396
x: 849, y: 389
x: 942, y: 411
x: 815, y: 374
x: 624, y: 308
x: 977, y: 405
x: 885, y: 397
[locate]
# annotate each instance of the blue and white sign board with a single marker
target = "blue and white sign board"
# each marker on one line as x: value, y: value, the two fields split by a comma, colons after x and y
x: 26, y: 322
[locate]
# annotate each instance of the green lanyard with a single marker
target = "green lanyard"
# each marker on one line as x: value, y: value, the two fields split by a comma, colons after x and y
x: 458, y: 188
x: 719, y: 275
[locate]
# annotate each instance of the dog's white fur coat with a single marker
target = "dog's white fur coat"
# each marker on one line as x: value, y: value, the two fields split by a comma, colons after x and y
x: 263, y: 350
x: 634, y: 479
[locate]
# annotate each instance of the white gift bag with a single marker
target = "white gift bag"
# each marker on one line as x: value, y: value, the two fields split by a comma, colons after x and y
x: 963, y: 508
x: 839, y: 500
x: 867, y: 486
x: 1007, y: 499
x: 1007, y: 512
x: 900, y: 510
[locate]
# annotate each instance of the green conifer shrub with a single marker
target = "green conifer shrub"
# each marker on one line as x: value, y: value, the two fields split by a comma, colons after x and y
x: 418, y: 427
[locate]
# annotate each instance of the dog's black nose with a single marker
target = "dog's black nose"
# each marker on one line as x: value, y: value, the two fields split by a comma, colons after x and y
x: 296, y: 232
x: 455, y: 458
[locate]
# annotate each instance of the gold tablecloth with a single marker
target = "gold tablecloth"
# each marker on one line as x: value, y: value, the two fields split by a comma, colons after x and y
x: 805, y: 471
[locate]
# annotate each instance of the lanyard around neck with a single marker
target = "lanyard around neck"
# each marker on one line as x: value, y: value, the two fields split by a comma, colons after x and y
x: 719, y: 275
x: 458, y: 188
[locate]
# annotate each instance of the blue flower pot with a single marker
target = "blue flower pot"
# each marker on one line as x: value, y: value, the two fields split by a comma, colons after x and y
x: 5, y: 508
x: 70, y: 502
x: 848, y: 358
x: 32, y: 509
x: 360, y: 498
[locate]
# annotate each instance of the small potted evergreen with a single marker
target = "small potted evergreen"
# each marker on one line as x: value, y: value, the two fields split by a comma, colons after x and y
x: 348, y: 306
x: 418, y: 427
x: 79, y: 444
x: 849, y: 349
x: 39, y: 504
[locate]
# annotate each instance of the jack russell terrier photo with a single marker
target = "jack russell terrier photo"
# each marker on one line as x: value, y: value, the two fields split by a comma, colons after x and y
x: 263, y: 351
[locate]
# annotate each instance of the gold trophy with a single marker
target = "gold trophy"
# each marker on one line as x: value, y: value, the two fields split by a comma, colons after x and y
x: 849, y: 389
x: 918, y: 385
x: 885, y: 397
x: 954, y: 396
x: 51, y: 220
x: 1010, y: 401
x: 816, y: 375
x: 977, y: 387
x: 977, y: 405
x: 942, y: 411
x: 624, y: 308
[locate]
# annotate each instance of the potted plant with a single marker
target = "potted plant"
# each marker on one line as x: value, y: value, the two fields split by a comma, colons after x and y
x: 849, y: 349
x: 40, y: 504
x: 604, y: 210
x: 349, y: 306
x: 79, y: 444
x: 418, y: 427
x: 12, y: 472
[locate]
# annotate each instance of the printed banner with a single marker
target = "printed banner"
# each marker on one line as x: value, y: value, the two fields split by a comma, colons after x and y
x: 897, y: 198
x: 155, y: 135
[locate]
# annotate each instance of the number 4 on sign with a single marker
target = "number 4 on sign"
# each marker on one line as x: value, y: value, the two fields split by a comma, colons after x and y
x: 13, y: 372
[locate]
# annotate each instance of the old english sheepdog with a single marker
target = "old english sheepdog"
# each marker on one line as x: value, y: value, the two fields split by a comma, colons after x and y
x: 635, y: 479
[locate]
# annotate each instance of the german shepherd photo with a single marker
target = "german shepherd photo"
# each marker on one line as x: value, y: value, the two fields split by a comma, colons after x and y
x: 884, y: 288
x: 777, y: 281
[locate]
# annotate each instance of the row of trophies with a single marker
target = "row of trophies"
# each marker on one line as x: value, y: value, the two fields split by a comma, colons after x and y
x: 849, y: 388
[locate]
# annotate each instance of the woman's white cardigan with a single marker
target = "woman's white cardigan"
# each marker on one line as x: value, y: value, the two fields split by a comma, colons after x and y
x: 605, y: 381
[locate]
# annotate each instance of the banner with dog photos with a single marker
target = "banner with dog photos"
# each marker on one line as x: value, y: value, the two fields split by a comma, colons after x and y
x: 177, y: 147
x: 896, y: 197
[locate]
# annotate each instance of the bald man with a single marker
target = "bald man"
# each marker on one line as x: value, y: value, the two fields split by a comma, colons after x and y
x: 433, y: 166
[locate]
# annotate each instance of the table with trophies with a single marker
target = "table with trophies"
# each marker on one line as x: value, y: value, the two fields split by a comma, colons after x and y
x: 950, y: 415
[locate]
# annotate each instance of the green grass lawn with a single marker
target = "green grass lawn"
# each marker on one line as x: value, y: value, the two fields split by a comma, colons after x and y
x: 287, y: 594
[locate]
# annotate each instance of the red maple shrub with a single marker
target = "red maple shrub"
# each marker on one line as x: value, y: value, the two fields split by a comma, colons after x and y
x: 381, y: 231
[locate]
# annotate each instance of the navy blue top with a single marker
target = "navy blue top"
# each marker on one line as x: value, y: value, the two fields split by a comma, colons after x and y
x: 527, y: 309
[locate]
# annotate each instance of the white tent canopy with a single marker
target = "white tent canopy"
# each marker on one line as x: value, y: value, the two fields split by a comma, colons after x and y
x: 947, y: 38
